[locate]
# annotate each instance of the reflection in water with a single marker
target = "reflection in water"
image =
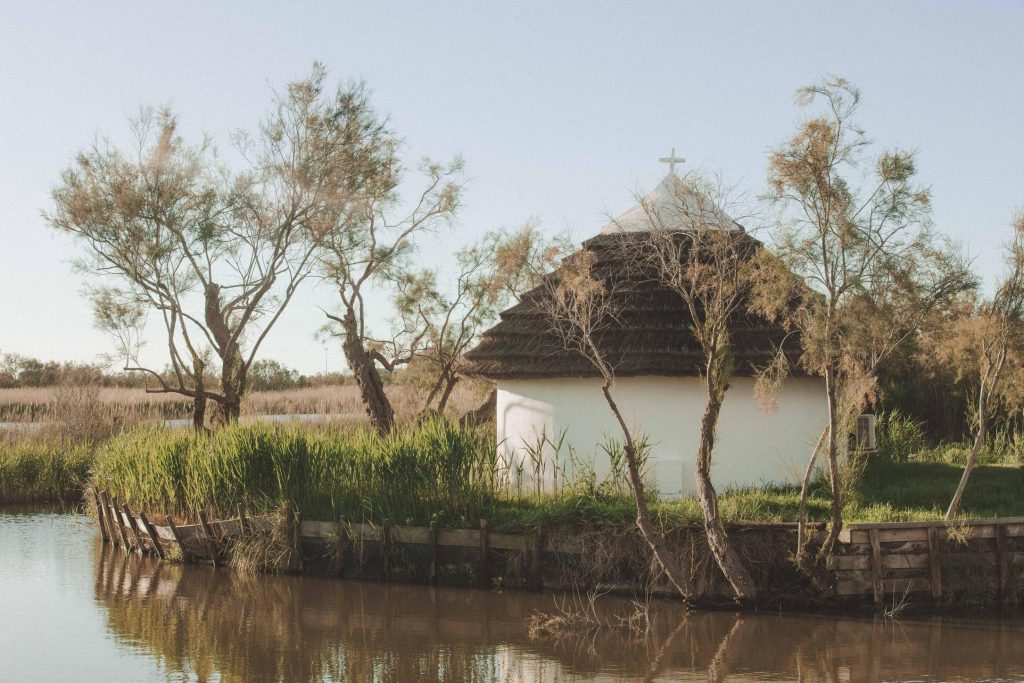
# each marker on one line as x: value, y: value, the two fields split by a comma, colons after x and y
x: 197, y: 623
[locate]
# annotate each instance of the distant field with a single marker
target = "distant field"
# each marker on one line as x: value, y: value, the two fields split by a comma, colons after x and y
x: 30, y: 405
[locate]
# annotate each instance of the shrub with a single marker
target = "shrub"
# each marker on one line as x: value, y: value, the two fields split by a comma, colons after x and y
x: 899, y: 437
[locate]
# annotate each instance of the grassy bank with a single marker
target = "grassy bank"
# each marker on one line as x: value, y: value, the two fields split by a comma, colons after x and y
x: 43, y: 470
x: 438, y: 471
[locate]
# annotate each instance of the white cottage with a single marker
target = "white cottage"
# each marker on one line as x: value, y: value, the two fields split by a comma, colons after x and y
x: 547, y: 392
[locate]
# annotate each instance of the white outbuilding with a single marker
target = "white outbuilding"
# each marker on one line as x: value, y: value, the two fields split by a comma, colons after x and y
x: 547, y: 394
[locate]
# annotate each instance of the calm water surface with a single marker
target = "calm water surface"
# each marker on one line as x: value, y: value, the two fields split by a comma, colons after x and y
x: 71, y: 610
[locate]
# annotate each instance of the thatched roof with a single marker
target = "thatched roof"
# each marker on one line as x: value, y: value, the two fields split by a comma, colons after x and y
x: 650, y: 336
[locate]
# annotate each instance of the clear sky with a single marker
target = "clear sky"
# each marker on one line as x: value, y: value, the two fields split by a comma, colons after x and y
x: 560, y: 110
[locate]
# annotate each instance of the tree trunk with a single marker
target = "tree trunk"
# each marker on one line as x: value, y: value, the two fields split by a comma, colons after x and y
x: 371, y: 386
x: 199, y: 411
x: 989, y: 381
x: 231, y: 410
x: 833, y: 461
x: 728, y: 561
x: 447, y: 394
x: 805, y: 487
x: 485, y: 412
x: 232, y: 369
x: 643, y: 516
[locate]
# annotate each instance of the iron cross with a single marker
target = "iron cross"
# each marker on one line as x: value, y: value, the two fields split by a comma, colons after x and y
x: 672, y: 160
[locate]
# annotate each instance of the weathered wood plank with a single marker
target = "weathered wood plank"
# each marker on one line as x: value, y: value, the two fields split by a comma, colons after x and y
x: 433, y: 552
x: 151, y: 532
x: 342, y: 548
x: 876, y: 565
x: 890, y: 587
x: 208, y: 538
x: 483, y: 573
x: 419, y: 535
x: 1002, y: 563
x: 133, y: 537
x: 119, y: 523
x: 520, y: 542
x: 864, y: 562
x: 934, y: 563
x: 315, y: 529
x: 461, y: 538
x: 172, y: 528
x: 100, y: 521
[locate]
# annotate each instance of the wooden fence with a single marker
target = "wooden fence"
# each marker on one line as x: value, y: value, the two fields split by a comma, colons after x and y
x: 932, y: 558
x: 134, y: 531
x: 963, y: 561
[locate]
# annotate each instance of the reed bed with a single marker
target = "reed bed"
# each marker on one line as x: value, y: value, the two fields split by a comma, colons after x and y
x: 129, y: 406
x: 430, y: 470
x: 37, y: 470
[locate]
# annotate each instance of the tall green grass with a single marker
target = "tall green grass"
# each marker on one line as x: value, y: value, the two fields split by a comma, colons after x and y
x: 430, y: 470
x: 42, y: 469
x: 438, y: 470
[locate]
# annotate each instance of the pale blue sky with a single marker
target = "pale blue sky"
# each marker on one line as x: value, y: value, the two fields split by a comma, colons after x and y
x: 560, y: 110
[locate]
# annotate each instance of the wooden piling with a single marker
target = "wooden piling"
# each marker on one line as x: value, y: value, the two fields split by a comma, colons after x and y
x: 177, y: 535
x: 934, y: 565
x: 211, y: 545
x: 484, y: 569
x: 294, y: 521
x: 136, y: 534
x: 341, y: 547
x: 151, y: 532
x: 99, y: 513
x: 243, y: 521
x: 385, y: 544
x: 1002, y: 563
x: 125, y: 544
x: 876, y: 565
x: 433, y: 551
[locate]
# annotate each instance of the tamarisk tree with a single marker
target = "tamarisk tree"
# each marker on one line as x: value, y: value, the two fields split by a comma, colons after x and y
x: 848, y: 251
x: 216, y: 254
x: 443, y: 319
x: 998, y: 335
x: 369, y: 247
x: 579, y: 305
x: 703, y: 256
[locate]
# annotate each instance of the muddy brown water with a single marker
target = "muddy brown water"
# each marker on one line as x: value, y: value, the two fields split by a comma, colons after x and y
x: 72, y: 610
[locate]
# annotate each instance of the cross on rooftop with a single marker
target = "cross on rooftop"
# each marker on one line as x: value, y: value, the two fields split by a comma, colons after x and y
x: 672, y: 160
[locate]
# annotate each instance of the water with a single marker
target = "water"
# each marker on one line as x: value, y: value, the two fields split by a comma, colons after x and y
x: 73, y: 610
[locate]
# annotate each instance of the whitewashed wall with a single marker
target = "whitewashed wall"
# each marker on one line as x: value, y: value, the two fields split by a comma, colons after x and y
x: 753, y: 446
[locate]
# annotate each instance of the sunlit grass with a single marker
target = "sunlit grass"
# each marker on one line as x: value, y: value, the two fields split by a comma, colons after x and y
x: 438, y: 471
x: 42, y: 470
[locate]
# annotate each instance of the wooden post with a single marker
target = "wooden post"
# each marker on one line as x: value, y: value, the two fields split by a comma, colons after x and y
x: 99, y: 514
x: 1002, y: 562
x: 177, y: 534
x: 111, y: 529
x: 341, y: 547
x: 295, y: 518
x: 483, y: 570
x: 876, y: 565
x: 120, y: 524
x: 211, y: 546
x: 433, y: 552
x: 385, y: 544
x: 136, y: 533
x: 934, y: 562
x: 151, y: 532
x: 243, y: 521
